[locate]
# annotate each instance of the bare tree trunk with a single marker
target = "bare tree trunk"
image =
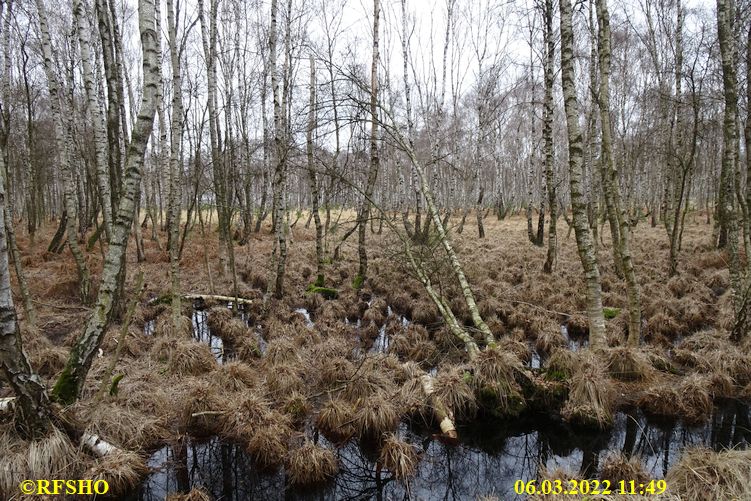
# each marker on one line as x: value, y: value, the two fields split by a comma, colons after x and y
x: 364, y: 213
x: 70, y: 383
x: 611, y: 182
x: 725, y: 30
x: 320, y: 280
x: 578, y: 203
x: 63, y: 154
x: 547, y: 135
x: 173, y: 244
x: 97, y: 116
x: 280, y: 158
x: 32, y: 409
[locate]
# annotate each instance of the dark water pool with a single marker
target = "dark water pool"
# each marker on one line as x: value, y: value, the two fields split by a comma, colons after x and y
x: 487, y: 461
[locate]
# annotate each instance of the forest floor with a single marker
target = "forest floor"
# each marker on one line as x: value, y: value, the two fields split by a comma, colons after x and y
x: 274, y: 378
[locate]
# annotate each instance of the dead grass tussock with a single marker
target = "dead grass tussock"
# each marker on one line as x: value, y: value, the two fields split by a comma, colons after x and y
x: 368, y: 382
x: 196, y: 396
x: 281, y: 350
x: 696, y: 400
x: 453, y: 389
x: 548, y: 340
x: 375, y: 415
x: 399, y: 457
x: 591, y: 394
x: 122, y: 470
x: 335, y: 420
x: 246, y: 409
x: 268, y: 445
x: 224, y: 324
x: 51, y: 455
x: 165, y: 328
x: 617, y: 467
x: 195, y: 494
x: 296, y: 406
x: 235, y: 376
x: 311, y: 464
x: 125, y: 426
x: 191, y: 358
x: 705, y: 474
x: 627, y: 364
x: 283, y: 379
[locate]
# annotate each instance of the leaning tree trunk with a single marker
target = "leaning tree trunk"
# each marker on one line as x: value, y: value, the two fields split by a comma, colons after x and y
x: 70, y: 383
x: 32, y: 409
x: 547, y: 136
x: 610, y: 179
x: 578, y: 202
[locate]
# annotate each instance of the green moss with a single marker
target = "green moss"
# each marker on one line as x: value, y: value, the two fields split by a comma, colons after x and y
x: 358, y: 282
x: 65, y: 390
x: 556, y: 375
x: 610, y: 313
x: 327, y: 292
x: 467, y: 377
x: 498, y: 405
x: 320, y: 281
x: 115, y: 382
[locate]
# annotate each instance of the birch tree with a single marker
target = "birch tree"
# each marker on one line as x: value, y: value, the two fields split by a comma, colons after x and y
x: 71, y: 381
x: 584, y: 241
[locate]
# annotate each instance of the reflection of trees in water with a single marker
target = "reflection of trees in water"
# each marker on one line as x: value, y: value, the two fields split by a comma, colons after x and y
x: 225, y: 470
x: 491, y: 457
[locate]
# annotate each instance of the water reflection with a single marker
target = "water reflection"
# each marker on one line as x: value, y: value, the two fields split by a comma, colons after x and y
x: 490, y: 458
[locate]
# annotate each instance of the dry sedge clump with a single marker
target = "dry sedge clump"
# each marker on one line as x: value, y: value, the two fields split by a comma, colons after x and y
x: 165, y: 327
x: 368, y: 382
x: 122, y: 470
x: 195, y: 494
x: 617, y: 468
x: 281, y: 349
x: 334, y: 371
x: 235, y: 376
x: 375, y: 415
x: 590, y: 397
x: 234, y: 331
x: 705, y: 474
x: 311, y: 464
x: 244, y: 415
x: 452, y: 388
x: 335, y: 420
x: 183, y: 357
x: 49, y: 456
x: 627, y: 364
x: 282, y: 379
x: 495, y: 380
x: 549, y: 340
x: 194, y: 405
x: 695, y: 400
x: 125, y: 426
x: 268, y: 445
x: 561, y: 364
x: 399, y: 457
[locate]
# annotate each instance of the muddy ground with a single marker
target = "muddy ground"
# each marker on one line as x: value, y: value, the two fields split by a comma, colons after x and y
x: 295, y: 389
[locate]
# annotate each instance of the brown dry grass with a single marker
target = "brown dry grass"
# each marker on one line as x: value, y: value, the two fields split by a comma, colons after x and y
x: 399, y: 457
x: 311, y: 464
x: 591, y: 394
x: 705, y: 474
x: 168, y: 375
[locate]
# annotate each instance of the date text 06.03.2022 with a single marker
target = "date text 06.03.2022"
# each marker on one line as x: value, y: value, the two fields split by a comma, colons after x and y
x: 579, y: 487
